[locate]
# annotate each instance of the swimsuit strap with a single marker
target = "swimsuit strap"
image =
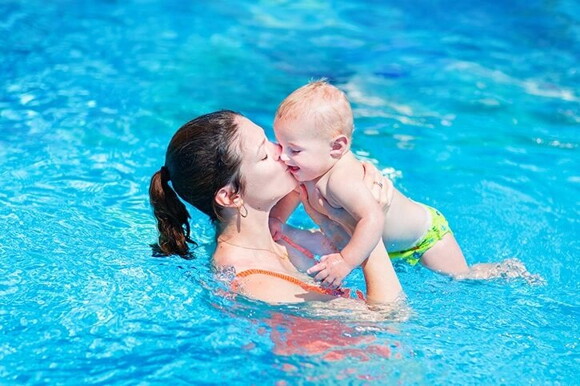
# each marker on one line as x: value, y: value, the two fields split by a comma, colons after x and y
x: 308, y: 287
x: 298, y: 247
x: 291, y: 279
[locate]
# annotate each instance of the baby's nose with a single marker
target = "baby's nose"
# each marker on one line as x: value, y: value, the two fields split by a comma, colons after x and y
x: 284, y: 157
x: 277, y: 150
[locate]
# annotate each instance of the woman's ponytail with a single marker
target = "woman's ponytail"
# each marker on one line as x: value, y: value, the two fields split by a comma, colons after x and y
x: 172, y: 216
x: 202, y: 157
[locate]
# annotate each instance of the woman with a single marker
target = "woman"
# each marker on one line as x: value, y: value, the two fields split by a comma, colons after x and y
x: 224, y: 165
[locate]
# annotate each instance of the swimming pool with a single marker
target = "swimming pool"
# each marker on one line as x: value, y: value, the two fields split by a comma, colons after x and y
x: 472, y: 108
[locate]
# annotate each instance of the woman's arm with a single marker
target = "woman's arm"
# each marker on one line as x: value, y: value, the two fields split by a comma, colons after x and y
x: 382, y: 283
x: 284, y: 208
x: 281, y: 211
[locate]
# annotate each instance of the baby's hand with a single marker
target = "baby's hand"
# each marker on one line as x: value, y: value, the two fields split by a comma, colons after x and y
x: 332, y: 269
x: 276, y: 228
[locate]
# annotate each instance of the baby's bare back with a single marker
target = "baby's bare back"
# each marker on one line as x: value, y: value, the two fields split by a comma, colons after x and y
x: 406, y: 221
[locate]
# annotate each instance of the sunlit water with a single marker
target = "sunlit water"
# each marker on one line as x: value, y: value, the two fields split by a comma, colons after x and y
x: 470, y: 107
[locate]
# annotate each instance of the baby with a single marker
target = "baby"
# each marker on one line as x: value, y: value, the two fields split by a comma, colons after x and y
x: 313, y: 126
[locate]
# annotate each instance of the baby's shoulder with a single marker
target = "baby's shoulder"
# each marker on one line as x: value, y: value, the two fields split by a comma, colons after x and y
x: 347, y: 172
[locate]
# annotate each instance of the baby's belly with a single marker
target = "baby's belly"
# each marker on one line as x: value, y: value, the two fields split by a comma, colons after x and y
x: 405, y: 223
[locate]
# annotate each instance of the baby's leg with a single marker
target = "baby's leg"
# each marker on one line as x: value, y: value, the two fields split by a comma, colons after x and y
x: 445, y: 257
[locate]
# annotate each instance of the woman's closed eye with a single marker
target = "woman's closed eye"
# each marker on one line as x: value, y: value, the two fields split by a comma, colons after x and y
x: 293, y: 151
x: 266, y: 150
x: 273, y: 149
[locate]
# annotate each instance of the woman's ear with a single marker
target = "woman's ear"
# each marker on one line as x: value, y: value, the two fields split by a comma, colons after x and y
x: 226, y: 198
x: 339, y: 146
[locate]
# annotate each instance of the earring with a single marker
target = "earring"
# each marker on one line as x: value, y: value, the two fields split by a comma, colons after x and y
x: 244, y: 212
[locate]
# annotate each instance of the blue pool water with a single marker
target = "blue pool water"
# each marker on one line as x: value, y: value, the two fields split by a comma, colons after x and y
x: 472, y: 107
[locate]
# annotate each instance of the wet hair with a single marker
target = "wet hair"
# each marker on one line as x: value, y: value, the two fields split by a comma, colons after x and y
x: 202, y: 157
x: 321, y: 101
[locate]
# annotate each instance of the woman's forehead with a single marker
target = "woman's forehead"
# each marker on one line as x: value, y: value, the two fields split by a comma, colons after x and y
x: 251, y: 135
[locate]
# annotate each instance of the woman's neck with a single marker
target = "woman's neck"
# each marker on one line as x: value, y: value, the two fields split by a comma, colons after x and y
x: 251, y: 231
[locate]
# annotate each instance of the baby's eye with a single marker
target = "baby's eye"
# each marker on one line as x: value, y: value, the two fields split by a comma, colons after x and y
x: 295, y: 151
x: 265, y: 157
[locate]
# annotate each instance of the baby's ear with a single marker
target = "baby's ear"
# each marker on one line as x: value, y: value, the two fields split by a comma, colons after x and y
x: 339, y: 146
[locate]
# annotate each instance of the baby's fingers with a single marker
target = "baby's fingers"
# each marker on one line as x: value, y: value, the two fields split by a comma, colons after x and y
x: 316, y: 268
x: 322, y: 275
x: 332, y: 284
x: 327, y: 282
x: 323, y: 272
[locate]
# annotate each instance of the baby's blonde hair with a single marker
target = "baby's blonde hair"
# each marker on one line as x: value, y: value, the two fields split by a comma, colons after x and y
x: 326, y: 104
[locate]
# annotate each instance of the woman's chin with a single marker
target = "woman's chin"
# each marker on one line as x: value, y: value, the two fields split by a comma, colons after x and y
x: 291, y: 179
x: 290, y: 186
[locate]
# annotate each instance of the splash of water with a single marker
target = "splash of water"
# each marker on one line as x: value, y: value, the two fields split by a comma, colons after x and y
x: 508, y: 269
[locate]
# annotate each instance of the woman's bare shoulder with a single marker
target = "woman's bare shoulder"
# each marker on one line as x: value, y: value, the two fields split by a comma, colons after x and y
x: 225, y: 256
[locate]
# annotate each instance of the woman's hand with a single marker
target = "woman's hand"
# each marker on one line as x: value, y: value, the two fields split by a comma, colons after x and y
x: 380, y: 186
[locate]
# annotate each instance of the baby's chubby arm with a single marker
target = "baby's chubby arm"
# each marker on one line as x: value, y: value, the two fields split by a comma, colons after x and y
x: 354, y: 197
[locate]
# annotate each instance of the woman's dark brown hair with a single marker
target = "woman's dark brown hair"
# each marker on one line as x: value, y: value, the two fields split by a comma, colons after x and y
x: 201, y: 158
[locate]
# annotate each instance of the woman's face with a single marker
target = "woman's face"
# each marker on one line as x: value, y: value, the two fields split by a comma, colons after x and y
x: 266, y: 178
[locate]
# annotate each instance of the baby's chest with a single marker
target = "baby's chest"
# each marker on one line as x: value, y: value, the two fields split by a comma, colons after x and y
x: 317, y: 197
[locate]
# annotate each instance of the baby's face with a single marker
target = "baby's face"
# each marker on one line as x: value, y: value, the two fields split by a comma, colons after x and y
x: 304, y: 148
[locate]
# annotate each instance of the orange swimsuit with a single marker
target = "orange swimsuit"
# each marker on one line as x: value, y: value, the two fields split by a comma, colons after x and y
x: 346, y: 293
